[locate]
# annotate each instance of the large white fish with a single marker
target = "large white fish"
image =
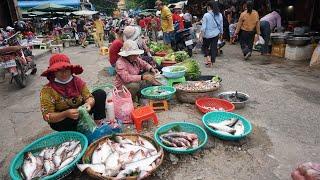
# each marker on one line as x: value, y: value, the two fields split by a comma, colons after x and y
x: 123, y: 140
x: 72, y: 145
x: 139, y: 155
x: 56, y: 160
x: 112, y: 164
x: 123, y: 148
x: 49, y: 167
x: 145, y: 143
x: 222, y: 128
x: 77, y: 150
x: 230, y: 122
x: 29, y: 166
x: 239, y: 128
x: 66, y: 162
x: 49, y: 153
x: 101, y: 153
x: 99, y: 168
x: 138, y: 166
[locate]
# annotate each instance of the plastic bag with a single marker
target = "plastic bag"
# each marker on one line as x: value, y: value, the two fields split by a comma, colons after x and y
x: 86, y: 124
x: 104, y: 130
x: 315, y: 59
x: 76, y: 36
x: 260, y: 40
x: 123, y: 105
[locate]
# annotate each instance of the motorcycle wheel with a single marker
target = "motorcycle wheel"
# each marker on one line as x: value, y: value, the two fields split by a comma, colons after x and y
x: 189, y: 52
x: 20, y: 78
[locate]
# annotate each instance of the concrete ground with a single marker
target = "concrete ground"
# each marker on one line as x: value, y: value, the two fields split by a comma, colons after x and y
x: 284, y: 110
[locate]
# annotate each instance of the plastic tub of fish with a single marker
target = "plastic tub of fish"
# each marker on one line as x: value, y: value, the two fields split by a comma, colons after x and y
x: 158, y: 92
x: 238, y: 99
x: 181, y: 137
x: 174, y: 71
x: 226, y: 125
x: 120, y: 156
x: 207, y: 104
x: 34, y: 161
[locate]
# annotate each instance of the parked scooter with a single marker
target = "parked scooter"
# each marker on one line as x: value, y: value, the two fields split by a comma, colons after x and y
x: 17, y: 60
x: 182, y: 40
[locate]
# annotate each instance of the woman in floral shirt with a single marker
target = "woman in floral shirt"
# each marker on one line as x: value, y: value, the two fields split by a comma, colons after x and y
x: 65, y: 92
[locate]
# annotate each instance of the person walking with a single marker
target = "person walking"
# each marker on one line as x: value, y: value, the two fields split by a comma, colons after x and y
x: 269, y: 23
x: 248, y: 25
x: 211, y: 29
x: 166, y: 22
x: 99, y: 26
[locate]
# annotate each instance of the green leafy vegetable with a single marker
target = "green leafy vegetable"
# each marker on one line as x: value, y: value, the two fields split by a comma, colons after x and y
x: 192, y: 69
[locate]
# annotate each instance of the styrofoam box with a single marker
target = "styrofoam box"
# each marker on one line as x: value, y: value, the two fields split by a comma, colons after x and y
x: 297, y: 53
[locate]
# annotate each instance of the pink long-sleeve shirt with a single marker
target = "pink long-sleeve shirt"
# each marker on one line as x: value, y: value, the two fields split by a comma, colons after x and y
x: 273, y: 18
x: 129, y: 72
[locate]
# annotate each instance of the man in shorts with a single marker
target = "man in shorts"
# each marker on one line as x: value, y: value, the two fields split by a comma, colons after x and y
x: 166, y: 22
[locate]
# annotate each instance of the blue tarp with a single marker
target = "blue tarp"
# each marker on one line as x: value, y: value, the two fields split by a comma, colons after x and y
x: 26, y: 4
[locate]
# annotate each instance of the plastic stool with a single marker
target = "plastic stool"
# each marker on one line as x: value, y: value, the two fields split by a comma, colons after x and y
x: 104, y: 51
x: 176, y: 80
x: 159, y: 105
x: 143, y: 114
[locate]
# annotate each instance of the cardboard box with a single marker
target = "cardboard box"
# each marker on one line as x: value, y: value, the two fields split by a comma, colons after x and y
x: 278, y: 50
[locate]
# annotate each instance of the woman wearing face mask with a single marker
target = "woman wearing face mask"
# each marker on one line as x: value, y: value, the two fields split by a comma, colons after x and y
x: 132, y: 71
x: 65, y: 92
x: 211, y: 29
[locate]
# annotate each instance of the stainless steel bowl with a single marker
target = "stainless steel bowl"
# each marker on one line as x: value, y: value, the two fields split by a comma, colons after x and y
x: 238, y: 105
x: 298, y: 41
x: 278, y: 39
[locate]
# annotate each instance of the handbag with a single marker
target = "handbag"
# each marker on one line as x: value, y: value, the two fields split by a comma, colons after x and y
x: 123, y: 105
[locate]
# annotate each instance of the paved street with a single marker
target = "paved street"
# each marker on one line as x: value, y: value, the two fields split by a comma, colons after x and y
x: 284, y: 110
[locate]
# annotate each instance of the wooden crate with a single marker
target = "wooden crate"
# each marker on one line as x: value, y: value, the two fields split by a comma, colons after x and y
x: 278, y: 50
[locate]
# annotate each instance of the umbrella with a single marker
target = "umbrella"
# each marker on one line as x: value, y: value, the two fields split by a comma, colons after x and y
x: 50, y: 7
x: 84, y: 13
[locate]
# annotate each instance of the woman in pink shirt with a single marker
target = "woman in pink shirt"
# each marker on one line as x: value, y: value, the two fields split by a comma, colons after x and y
x: 132, y: 71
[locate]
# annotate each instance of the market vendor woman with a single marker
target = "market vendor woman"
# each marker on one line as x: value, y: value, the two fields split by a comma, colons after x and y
x: 65, y: 92
x: 133, y: 72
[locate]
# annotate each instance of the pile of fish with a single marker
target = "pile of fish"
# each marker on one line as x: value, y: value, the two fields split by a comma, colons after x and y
x: 198, y: 85
x: 180, y: 140
x: 231, y: 126
x: 49, y: 160
x: 213, y: 108
x: 123, y: 157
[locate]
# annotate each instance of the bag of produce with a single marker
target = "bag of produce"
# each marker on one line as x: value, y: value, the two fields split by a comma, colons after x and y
x: 192, y: 69
x: 123, y: 105
x: 86, y: 123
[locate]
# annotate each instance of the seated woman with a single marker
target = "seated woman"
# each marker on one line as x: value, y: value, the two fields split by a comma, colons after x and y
x: 132, y: 71
x: 65, y: 92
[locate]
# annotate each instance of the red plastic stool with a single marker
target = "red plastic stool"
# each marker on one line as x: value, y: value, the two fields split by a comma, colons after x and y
x: 143, y: 114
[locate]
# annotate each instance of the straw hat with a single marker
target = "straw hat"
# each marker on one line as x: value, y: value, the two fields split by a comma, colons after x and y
x: 61, y: 61
x: 130, y: 47
x: 131, y: 33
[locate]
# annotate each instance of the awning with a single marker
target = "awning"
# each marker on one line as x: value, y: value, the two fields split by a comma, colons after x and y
x: 29, y: 4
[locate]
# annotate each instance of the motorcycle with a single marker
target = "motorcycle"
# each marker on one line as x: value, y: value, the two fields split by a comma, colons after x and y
x: 17, y: 60
x: 182, y: 40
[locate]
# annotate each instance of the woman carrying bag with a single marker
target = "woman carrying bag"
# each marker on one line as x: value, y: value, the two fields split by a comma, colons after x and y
x: 211, y: 30
x: 248, y: 25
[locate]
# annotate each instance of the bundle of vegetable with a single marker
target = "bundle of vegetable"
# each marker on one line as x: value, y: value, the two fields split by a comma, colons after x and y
x: 158, y: 59
x: 231, y: 126
x: 170, y: 57
x: 49, y: 160
x: 192, y: 69
x: 119, y: 157
x: 181, y: 56
x: 198, y: 86
x: 156, y: 47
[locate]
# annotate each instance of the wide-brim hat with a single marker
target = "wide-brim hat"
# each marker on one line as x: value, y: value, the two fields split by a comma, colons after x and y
x: 61, y: 61
x: 129, y: 48
x: 131, y: 33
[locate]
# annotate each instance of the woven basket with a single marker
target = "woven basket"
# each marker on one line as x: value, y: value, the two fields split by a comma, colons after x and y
x: 88, y: 154
x: 213, y: 88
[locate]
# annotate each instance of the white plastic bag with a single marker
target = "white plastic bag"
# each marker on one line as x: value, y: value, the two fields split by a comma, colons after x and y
x: 260, y: 41
x: 315, y: 59
x: 76, y: 36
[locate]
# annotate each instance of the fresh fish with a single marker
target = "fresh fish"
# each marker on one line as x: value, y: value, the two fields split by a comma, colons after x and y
x: 66, y: 162
x: 62, y: 148
x: 112, y: 164
x: 123, y: 140
x: 56, y: 160
x: 99, y: 168
x: 195, y: 143
x: 223, y: 132
x: 77, y: 150
x: 185, y: 141
x: 41, y: 154
x: 72, y: 145
x: 124, y: 148
x: 222, y: 128
x: 145, y: 143
x: 49, y: 153
x: 139, y: 155
x: 29, y: 166
x: 126, y: 157
x: 230, y: 122
x: 141, y: 165
x: 49, y: 167
x: 166, y: 142
x: 188, y: 136
x: 175, y: 141
x: 101, y: 153
x: 239, y: 128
